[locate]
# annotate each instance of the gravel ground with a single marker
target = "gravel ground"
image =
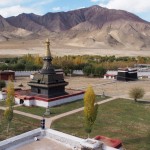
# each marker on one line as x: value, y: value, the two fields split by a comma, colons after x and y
x: 108, y: 86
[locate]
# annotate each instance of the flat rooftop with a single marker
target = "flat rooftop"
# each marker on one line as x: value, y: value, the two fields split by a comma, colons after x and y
x: 44, y: 144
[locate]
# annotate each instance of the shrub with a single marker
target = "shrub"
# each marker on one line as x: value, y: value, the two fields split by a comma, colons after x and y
x: 136, y: 93
x: 2, y: 84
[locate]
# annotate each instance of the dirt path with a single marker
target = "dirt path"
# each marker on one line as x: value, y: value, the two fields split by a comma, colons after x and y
x: 50, y: 120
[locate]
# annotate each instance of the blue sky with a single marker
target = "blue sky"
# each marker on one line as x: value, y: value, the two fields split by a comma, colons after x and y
x: 15, y: 7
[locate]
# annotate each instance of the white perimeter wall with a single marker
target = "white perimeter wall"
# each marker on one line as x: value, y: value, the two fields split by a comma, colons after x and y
x: 65, y: 100
x: 50, y: 104
x: 24, y: 73
x: 28, y: 73
x: 2, y: 95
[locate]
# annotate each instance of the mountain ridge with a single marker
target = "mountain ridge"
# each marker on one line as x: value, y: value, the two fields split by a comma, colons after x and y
x: 94, y: 26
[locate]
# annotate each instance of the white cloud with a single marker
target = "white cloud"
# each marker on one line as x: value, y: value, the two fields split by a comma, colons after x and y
x: 4, y: 3
x: 135, y: 6
x: 15, y: 7
x: 39, y: 2
x: 14, y: 10
x: 94, y: 0
x: 56, y: 8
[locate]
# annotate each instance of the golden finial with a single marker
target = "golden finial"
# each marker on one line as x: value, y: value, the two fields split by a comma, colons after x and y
x: 48, y: 53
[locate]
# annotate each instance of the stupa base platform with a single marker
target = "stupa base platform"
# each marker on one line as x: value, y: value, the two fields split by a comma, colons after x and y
x: 27, y: 98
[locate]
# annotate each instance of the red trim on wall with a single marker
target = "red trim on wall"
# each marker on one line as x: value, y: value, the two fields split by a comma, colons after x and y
x: 40, y: 98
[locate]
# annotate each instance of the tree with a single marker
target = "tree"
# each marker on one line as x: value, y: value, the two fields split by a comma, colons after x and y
x: 99, y: 71
x: 88, y: 70
x: 90, y: 109
x: 136, y: 93
x: 8, y: 114
x: 19, y: 67
x: 2, y: 84
x: 10, y: 94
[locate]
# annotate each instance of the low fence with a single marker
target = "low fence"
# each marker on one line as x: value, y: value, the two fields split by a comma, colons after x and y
x: 24, y: 73
x: 28, y: 73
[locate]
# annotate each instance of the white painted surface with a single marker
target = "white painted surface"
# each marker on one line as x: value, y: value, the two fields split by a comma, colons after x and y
x: 17, y: 100
x: 24, y: 73
x: 26, y: 138
x: 64, y: 138
x: 50, y: 104
x: 74, y: 141
x: 65, y: 100
x: 2, y: 95
x: 78, y: 72
x: 17, y: 140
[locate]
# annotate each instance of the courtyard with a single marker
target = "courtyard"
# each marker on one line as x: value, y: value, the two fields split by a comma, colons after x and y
x: 109, y: 86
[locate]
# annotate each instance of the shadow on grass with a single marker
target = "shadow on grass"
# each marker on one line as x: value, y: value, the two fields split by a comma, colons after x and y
x: 143, y: 102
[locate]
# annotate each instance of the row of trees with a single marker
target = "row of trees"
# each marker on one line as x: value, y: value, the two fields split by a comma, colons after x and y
x: 27, y: 62
x: 91, y: 65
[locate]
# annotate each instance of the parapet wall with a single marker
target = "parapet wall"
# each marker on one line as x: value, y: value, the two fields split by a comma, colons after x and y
x: 20, y: 139
x: 72, y: 141
x: 64, y: 138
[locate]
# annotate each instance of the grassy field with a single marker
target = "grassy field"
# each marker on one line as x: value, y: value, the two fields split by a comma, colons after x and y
x: 55, y: 110
x: 20, y: 124
x: 2, y: 103
x: 123, y: 119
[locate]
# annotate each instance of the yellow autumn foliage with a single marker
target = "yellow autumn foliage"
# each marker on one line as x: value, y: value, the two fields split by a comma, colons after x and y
x: 10, y: 94
x: 89, y: 100
x: 90, y: 109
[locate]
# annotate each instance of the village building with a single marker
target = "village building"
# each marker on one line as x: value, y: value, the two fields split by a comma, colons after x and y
x: 127, y: 74
x: 7, y: 74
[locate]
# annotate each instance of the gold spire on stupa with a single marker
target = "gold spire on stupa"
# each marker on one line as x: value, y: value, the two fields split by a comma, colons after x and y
x: 48, y: 53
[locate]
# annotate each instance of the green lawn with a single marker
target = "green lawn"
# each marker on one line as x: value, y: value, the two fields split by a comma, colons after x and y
x: 3, y: 103
x: 123, y: 119
x: 20, y: 124
x: 55, y: 110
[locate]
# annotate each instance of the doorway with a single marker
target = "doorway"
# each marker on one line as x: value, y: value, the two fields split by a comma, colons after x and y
x: 21, y: 101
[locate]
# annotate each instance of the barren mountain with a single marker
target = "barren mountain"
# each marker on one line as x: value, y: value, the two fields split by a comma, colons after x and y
x: 88, y: 27
x: 8, y: 31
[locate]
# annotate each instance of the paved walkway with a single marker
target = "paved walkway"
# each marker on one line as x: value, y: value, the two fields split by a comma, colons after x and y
x: 48, y: 121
